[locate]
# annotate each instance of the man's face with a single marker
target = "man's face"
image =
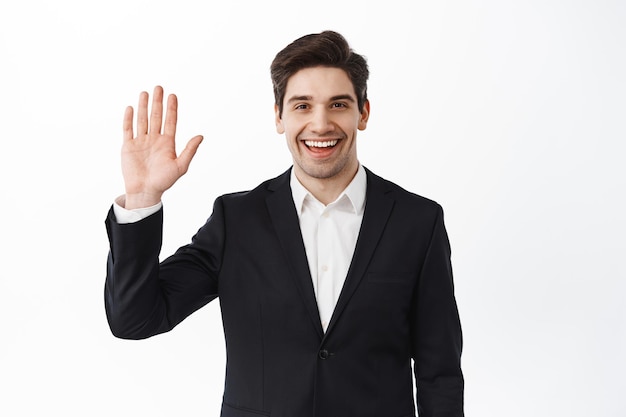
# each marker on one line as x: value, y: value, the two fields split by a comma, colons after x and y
x: 320, y: 120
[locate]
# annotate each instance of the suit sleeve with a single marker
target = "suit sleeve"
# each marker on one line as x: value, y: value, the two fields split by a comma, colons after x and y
x: 144, y: 297
x: 437, y: 338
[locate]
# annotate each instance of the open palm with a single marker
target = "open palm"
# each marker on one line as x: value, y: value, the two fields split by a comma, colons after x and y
x: 149, y: 162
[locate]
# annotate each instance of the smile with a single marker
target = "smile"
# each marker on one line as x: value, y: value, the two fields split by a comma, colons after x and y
x: 320, y: 144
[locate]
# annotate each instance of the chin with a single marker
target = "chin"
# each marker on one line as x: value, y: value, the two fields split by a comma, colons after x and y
x: 323, y: 173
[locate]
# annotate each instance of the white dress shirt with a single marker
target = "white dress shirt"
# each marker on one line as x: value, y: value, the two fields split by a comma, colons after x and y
x: 329, y: 234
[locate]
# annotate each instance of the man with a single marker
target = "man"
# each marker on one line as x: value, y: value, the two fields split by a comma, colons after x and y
x: 331, y: 280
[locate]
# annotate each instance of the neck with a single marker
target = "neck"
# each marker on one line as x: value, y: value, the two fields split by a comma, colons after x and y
x: 326, y: 190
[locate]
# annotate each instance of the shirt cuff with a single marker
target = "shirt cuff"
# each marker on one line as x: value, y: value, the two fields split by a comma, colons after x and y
x: 124, y: 216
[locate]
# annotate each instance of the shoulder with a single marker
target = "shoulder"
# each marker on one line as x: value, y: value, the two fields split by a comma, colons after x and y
x: 400, y: 195
x: 258, y: 193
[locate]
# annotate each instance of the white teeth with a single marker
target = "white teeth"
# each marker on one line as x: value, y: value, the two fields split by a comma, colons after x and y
x: 320, y: 144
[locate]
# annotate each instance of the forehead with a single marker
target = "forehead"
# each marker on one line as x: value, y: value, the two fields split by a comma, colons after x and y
x: 319, y: 83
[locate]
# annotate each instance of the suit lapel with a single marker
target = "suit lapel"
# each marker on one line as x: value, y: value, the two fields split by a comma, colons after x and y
x: 282, y: 211
x: 287, y: 226
x: 377, y: 210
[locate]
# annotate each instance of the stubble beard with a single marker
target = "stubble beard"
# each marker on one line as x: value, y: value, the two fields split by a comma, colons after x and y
x: 324, y: 170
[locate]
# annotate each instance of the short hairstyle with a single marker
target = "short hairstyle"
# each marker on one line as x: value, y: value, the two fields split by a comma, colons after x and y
x: 326, y: 49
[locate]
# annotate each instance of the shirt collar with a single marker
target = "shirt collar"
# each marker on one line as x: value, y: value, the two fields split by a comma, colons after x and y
x: 355, y: 192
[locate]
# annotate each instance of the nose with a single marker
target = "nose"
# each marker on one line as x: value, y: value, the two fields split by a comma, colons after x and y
x: 321, y: 121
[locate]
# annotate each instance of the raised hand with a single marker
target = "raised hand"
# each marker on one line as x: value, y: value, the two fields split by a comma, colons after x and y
x: 149, y: 162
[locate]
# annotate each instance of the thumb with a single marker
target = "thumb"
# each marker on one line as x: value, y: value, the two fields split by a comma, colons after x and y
x: 185, y: 157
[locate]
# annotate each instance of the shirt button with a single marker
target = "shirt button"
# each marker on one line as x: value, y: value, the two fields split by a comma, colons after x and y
x: 323, y: 354
x: 325, y: 215
x: 324, y: 268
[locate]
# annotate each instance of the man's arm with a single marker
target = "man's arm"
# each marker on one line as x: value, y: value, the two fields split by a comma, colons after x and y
x: 140, y: 299
x: 437, y: 338
x: 144, y: 297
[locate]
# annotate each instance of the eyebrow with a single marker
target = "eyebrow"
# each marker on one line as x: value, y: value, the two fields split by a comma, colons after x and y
x: 333, y: 98
x: 343, y: 97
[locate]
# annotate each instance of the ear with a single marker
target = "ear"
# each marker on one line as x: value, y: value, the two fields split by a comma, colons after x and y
x: 279, y: 122
x: 365, y: 114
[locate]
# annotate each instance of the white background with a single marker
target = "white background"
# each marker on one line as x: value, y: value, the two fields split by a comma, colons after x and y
x: 511, y: 114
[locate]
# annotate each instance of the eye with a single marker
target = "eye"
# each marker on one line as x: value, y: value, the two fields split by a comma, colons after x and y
x: 301, y: 106
x: 339, y: 105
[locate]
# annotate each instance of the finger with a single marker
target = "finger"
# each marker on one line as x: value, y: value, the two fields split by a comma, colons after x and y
x: 185, y: 157
x: 171, y: 116
x: 142, y: 114
x: 156, y: 116
x: 127, y: 126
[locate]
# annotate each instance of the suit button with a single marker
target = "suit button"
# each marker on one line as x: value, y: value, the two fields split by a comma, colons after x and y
x: 323, y: 354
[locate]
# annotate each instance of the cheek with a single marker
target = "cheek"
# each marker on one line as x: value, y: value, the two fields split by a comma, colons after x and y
x: 292, y: 143
x: 350, y: 124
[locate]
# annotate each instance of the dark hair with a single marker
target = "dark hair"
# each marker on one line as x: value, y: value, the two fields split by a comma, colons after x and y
x: 327, y: 49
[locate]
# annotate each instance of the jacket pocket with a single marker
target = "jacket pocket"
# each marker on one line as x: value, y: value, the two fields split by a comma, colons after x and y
x: 229, y: 410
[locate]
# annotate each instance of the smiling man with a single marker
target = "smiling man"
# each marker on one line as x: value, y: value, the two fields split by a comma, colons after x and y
x: 335, y: 285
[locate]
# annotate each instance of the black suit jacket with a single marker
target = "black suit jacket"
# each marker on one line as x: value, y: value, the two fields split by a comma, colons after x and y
x: 397, y: 305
